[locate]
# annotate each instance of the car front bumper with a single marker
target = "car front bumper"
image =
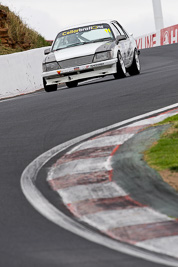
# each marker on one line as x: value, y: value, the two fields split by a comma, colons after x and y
x: 80, y: 73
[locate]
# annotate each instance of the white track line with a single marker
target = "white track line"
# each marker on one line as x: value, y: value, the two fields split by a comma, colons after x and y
x: 166, y: 245
x: 43, y: 206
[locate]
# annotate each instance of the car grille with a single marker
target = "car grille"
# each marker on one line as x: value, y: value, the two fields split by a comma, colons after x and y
x: 75, y: 62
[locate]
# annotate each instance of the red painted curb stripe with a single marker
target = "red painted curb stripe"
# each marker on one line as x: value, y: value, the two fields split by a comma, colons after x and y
x: 126, y: 130
x: 115, y: 149
x: 91, y: 206
x: 85, y: 154
x: 79, y: 179
x: 138, y: 233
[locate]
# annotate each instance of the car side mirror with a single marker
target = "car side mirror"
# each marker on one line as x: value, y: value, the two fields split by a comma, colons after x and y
x: 120, y: 38
x: 47, y: 51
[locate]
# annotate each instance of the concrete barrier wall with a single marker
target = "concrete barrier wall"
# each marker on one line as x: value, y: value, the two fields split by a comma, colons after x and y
x: 165, y: 36
x: 20, y: 73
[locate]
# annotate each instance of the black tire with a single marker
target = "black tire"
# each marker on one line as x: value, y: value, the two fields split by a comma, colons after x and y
x: 49, y: 88
x: 121, y: 70
x: 134, y: 69
x: 72, y: 84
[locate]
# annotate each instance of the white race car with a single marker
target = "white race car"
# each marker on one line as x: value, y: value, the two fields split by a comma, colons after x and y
x: 87, y: 51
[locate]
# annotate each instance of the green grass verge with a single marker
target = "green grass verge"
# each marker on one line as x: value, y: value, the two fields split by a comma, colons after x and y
x: 163, y: 155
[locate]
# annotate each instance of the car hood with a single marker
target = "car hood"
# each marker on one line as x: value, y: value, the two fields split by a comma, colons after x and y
x: 81, y: 50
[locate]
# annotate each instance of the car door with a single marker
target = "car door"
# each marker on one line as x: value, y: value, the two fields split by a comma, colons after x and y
x: 125, y: 44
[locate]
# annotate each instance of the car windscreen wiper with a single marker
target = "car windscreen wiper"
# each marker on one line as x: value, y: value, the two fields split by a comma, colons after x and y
x: 76, y: 44
x: 103, y: 39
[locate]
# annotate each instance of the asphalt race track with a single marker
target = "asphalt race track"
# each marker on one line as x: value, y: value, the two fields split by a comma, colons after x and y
x: 32, y: 124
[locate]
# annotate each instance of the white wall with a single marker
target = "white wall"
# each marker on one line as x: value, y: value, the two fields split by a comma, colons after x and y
x: 20, y: 73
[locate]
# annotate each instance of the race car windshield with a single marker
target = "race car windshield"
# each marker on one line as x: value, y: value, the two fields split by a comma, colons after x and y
x: 83, y: 35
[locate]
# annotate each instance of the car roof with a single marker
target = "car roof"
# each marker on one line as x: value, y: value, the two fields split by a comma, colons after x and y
x: 86, y: 24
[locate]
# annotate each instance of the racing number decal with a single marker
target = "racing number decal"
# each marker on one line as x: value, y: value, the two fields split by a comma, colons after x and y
x: 107, y: 30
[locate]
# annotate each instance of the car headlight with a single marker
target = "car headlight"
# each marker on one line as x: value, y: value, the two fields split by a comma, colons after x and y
x: 51, y: 66
x: 102, y: 56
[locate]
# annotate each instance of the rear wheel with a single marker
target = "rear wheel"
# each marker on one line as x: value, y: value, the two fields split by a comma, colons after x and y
x: 49, y: 88
x: 72, y: 84
x: 121, y: 70
x: 134, y: 69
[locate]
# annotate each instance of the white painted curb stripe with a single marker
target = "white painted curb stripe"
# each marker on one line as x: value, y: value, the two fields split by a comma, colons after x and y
x: 106, y: 220
x: 78, y: 167
x: 102, y: 142
x: 91, y: 191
